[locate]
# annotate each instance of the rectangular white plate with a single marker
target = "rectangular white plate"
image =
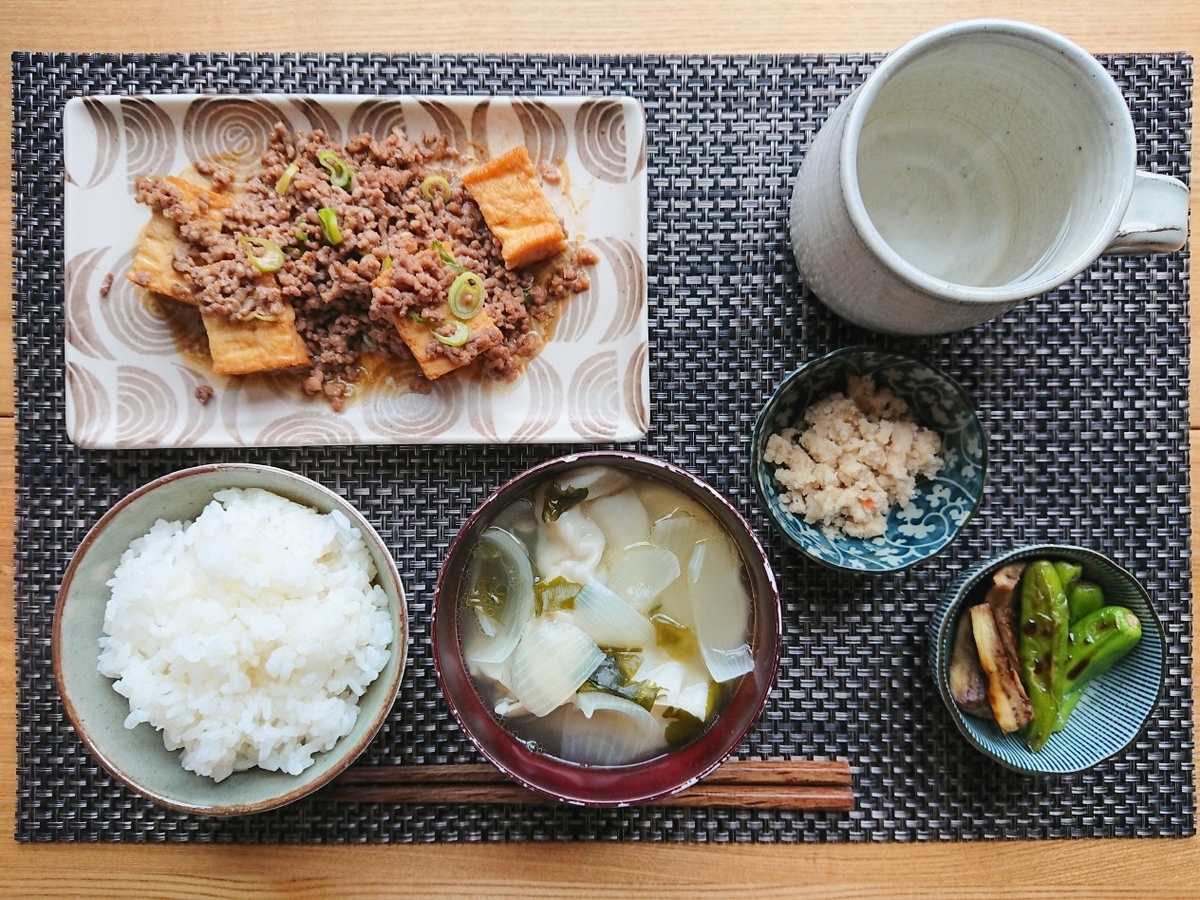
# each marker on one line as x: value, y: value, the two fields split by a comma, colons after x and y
x: 129, y: 386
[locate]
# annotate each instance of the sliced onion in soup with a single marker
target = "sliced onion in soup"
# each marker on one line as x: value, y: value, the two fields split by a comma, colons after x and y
x: 550, y: 663
x: 721, y: 608
x: 611, y: 621
x: 698, y: 699
x: 612, y: 731
x: 499, y: 556
x: 520, y: 519
x: 679, y: 532
x: 642, y: 573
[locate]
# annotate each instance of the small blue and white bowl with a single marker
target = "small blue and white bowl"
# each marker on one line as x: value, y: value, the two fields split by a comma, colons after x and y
x: 1114, y: 708
x: 939, y: 508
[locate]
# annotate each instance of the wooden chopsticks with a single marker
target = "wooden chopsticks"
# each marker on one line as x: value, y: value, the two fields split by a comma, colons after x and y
x: 823, y: 785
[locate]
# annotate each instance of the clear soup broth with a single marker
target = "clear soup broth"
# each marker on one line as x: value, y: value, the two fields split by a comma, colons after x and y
x: 606, y: 617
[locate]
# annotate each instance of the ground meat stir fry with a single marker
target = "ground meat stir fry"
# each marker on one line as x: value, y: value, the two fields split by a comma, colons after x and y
x: 356, y: 256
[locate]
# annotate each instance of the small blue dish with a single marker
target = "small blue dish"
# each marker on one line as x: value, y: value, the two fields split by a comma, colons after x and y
x: 1113, y: 710
x: 940, y: 507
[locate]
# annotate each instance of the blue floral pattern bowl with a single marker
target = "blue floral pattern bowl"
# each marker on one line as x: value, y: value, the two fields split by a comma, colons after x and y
x: 940, y: 507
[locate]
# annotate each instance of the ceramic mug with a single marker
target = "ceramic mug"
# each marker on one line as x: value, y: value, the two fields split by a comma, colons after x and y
x: 979, y: 165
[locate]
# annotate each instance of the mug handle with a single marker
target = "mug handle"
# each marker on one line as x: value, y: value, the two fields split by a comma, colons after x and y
x: 1156, y: 220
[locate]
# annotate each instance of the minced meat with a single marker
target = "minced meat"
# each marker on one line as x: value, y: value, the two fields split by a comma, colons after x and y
x: 387, y: 225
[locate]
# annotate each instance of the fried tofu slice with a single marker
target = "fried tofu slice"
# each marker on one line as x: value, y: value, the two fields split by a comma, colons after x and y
x: 255, y: 345
x: 515, y: 208
x: 153, y: 265
x: 434, y: 358
x: 237, y: 347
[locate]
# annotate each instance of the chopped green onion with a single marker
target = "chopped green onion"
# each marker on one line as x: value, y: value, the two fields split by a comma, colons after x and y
x: 461, y: 333
x: 339, y: 173
x: 387, y: 263
x: 285, y: 180
x: 526, y: 297
x: 271, y: 259
x: 436, y: 183
x: 416, y: 317
x: 674, y: 637
x: 466, y: 295
x: 682, y: 726
x: 328, y: 217
x: 301, y: 236
x: 559, y: 499
x: 613, y: 676
x: 447, y: 257
x: 555, y: 594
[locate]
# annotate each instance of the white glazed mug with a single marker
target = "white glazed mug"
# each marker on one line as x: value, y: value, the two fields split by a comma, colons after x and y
x: 979, y: 165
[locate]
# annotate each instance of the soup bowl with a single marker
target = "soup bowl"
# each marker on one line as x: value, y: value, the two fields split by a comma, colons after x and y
x: 671, y: 770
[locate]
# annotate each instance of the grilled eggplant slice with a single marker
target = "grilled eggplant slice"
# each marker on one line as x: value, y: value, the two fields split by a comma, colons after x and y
x: 968, y: 683
x: 1006, y: 695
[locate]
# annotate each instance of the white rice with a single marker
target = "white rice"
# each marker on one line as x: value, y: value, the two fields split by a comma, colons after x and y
x: 247, y: 636
x: 859, y: 454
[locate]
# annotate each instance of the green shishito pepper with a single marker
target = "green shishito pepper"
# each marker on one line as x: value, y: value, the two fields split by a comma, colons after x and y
x: 1068, y: 573
x: 1084, y: 597
x: 1097, y: 642
x: 1042, y: 647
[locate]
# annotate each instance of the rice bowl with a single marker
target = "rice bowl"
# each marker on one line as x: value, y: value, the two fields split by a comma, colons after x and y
x: 247, y: 636
x: 137, y: 756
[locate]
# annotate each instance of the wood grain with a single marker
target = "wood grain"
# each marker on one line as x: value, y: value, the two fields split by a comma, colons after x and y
x: 1061, y: 870
x: 755, y: 784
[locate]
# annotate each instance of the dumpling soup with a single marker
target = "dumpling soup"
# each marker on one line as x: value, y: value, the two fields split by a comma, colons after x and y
x: 605, y: 617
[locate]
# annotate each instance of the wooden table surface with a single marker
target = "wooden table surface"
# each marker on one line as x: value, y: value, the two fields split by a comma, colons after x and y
x: 1060, y: 869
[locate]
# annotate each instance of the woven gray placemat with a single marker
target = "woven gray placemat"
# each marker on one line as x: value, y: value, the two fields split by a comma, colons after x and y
x: 1083, y: 394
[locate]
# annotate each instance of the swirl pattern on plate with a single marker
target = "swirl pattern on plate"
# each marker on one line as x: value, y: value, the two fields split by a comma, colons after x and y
x: 149, y: 138
x: 480, y: 408
x: 81, y: 331
x: 394, y: 410
x: 317, y: 117
x: 629, y: 275
x: 147, y: 410
x: 377, y: 116
x: 230, y: 130
x: 447, y: 122
x: 601, y: 139
x: 138, y: 323
x: 89, y: 408
x: 545, y: 389
x: 545, y: 131
x: 107, y: 138
x: 304, y: 428
x: 577, y: 317
x: 636, y: 377
x: 594, y: 397
x: 196, y: 417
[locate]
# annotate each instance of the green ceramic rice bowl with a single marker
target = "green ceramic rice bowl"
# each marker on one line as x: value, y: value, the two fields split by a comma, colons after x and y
x: 137, y: 757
